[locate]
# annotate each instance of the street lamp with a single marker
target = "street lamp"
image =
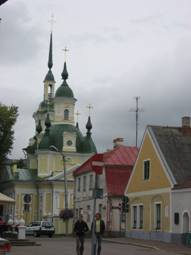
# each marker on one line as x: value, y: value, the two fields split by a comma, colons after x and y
x: 54, y: 148
x: 97, y: 167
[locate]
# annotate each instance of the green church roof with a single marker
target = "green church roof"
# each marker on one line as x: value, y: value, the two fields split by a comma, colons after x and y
x: 45, y: 106
x: 55, y: 137
x: 88, y: 145
x: 64, y: 91
x: 49, y: 76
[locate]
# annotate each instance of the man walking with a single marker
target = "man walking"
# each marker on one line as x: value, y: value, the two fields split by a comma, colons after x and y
x: 99, y: 229
x: 80, y: 228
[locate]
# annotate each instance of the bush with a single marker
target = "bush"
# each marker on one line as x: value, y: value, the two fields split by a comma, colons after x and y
x: 66, y: 214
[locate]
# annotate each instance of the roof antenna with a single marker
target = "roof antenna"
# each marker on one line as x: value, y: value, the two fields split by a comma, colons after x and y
x: 137, y: 110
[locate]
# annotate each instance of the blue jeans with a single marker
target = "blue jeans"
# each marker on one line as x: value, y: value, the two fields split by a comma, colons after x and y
x: 97, y: 246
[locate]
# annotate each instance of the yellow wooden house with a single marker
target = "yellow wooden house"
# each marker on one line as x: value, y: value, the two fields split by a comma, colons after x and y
x: 162, y: 163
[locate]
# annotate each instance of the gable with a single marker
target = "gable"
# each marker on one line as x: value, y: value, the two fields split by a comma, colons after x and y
x: 158, y: 176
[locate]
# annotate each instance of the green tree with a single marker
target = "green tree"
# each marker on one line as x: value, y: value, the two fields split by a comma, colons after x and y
x: 8, y: 116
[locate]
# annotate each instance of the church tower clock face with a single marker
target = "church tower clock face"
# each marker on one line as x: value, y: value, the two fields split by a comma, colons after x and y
x: 69, y: 141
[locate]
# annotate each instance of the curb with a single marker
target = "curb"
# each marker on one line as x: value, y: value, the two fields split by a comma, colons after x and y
x: 145, y: 246
x: 133, y: 244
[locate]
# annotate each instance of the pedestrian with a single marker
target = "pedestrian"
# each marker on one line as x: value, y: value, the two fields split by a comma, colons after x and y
x: 99, y: 228
x: 80, y: 228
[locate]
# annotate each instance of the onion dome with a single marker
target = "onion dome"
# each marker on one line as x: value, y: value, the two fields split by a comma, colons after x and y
x: 64, y: 90
x: 88, y: 145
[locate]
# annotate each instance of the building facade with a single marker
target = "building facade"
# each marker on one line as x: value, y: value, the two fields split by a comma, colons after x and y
x: 116, y: 167
x: 57, y: 146
x: 163, y: 163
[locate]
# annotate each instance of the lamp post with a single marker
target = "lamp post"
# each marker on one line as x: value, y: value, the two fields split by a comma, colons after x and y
x: 54, y: 148
x: 98, y: 193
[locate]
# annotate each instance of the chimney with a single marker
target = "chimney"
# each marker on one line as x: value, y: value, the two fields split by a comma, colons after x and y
x: 186, y: 122
x: 117, y: 141
x: 186, y: 129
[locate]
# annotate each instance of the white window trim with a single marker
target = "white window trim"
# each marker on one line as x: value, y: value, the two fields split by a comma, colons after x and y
x: 138, y: 216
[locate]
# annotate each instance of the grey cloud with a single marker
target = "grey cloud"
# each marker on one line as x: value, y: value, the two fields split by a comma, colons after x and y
x: 19, y: 37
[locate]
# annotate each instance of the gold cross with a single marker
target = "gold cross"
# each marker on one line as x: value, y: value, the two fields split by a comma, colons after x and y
x: 77, y: 114
x: 51, y: 21
x: 65, y: 52
x: 89, y: 108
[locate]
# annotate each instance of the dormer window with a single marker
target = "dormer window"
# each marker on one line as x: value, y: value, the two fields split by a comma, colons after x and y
x: 66, y: 114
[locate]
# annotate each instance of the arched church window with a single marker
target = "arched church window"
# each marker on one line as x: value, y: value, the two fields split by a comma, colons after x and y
x: 66, y: 114
x: 50, y: 91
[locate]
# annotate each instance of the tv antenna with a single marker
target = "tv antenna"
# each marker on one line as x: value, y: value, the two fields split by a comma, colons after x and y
x: 137, y: 110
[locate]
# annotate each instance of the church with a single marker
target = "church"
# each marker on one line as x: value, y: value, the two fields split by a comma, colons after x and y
x: 58, y: 147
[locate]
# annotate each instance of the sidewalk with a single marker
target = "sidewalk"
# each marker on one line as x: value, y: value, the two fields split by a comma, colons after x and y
x: 156, y: 245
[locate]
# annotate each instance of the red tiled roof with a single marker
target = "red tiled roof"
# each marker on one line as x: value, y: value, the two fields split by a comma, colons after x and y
x: 118, y: 166
x: 121, y: 155
x: 117, y: 179
x: 87, y: 165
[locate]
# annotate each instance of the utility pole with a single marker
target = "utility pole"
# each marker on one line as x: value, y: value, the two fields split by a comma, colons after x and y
x: 137, y: 110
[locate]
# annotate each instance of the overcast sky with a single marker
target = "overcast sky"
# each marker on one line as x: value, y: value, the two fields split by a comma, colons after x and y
x: 118, y: 49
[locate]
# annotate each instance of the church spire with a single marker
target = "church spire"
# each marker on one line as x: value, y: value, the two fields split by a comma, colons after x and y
x: 50, y: 62
x: 49, y: 76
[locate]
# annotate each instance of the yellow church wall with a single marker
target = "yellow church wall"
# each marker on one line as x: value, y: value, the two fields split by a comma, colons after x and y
x: 42, y: 164
x: 62, y: 200
x: 158, y: 178
x: 48, y: 203
x: 148, y: 202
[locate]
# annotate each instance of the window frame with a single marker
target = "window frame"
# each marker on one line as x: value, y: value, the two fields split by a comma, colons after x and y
x: 79, y: 184
x: 84, y: 182
x: 157, y: 223
x: 137, y: 221
x: 90, y: 181
x: 66, y: 114
x: 146, y: 171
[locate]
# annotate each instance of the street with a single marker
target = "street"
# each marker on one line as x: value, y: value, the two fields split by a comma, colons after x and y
x: 66, y: 246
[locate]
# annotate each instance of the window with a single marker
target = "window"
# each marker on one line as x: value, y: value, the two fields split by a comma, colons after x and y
x: 141, y: 216
x: 176, y: 218
x: 66, y: 114
x: 158, y: 216
x: 84, y: 183
x: 146, y: 169
x: 91, y: 182
x: 77, y: 213
x: 137, y: 216
x: 88, y: 213
x: 26, y: 207
x: 79, y: 182
x: 134, y: 216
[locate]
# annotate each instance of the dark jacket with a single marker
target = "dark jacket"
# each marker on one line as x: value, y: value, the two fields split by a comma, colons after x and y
x: 102, y: 227
x: 80, y: 228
